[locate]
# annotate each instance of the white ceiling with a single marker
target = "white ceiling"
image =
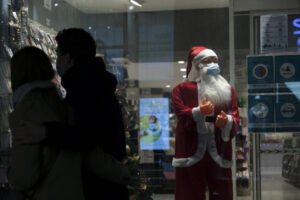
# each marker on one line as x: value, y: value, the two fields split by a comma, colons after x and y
x: 115, y: 6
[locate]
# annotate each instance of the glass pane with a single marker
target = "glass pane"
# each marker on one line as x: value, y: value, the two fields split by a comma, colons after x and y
x: 173, y: 147
x: 279, y: 166
x: 272, y: 103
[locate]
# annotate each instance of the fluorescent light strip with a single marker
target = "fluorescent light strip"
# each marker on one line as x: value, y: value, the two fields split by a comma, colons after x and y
x: 135, y: 3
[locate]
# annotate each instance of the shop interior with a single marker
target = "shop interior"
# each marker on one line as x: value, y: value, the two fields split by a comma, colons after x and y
x: 146, y: 46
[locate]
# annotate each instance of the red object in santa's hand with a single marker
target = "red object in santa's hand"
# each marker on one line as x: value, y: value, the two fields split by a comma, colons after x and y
x: 221, y: 120
x: 206, y: 107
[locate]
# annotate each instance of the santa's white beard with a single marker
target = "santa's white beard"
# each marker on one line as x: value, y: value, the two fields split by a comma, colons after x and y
x: 215, y: 88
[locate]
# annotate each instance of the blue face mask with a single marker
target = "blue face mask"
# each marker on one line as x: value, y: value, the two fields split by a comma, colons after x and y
x: 60, y: 70
x: 213, y: 69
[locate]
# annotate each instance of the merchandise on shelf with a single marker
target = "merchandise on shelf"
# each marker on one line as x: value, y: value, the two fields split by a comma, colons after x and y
x: 21, y: 32
x: 291, y: 162
x: 139, y: 187
x: 11, y: 41
x: 242, y: 155
x: 42, y: 38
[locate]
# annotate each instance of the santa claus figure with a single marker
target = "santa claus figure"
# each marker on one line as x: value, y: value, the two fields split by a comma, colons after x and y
x: 208, y: 119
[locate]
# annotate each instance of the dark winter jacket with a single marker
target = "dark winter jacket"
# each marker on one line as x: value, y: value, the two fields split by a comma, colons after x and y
x: 98, y: 118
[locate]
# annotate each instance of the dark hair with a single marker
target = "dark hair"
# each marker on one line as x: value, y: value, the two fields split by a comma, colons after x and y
x: 30, y: 64
x: 77, y: 42
x: 152, y: 119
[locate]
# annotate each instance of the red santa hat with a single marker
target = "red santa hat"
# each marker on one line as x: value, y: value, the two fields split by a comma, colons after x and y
x: 196, y: 55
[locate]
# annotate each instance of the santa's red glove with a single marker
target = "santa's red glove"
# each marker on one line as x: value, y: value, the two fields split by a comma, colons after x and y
x: 206, y: 107
x: 221, y: 120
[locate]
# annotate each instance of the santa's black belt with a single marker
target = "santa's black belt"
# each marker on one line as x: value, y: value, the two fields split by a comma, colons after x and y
x: 210, y: 119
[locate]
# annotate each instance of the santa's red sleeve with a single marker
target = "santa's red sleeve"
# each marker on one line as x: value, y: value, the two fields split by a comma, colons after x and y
x: 187, y: 115
x: 232, y: 126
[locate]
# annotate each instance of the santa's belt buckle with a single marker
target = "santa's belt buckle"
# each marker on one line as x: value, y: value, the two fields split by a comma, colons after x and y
x: 210, y: 119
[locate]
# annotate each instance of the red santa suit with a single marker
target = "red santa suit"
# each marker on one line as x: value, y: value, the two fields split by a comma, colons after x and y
x: 203, y: 154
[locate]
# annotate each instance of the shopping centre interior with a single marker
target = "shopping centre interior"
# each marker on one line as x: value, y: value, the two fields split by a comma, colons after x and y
x: 146, y: 44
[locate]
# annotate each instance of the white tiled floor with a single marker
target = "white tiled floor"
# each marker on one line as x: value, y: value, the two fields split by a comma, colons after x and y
x: 273, y: 186
x: 276, y: 188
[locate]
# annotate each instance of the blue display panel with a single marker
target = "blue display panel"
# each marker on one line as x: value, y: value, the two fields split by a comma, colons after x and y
x: 154, y: 124
x: 288, y: 113
x: 261, y: 113
x: 260, y: 74
x: 287, y: 73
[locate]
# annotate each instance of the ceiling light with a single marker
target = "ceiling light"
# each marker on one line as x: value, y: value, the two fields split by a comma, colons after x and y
x: 134, y: 2
x: 90, y: 28
x: 168, y: 86
x: 183, y: 76
x: 180, y: 62
x: 183, y: 69
x: 56, y: 4
x: 131, y: 7
x: 108, y: 27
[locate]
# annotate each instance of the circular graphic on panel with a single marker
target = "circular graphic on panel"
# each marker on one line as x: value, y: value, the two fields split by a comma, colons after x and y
x: 288, y: 110
x: 150, y: 129
x: 260, y: 71
x: 287, y: 70
x: 260, y: 110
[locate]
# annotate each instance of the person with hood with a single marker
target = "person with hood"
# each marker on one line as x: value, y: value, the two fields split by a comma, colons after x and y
x: 98, y: 118
x: 208, y: 119
x: 40, y: 171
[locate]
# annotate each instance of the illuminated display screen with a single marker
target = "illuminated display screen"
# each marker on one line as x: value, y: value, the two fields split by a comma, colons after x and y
x: 154, y: 124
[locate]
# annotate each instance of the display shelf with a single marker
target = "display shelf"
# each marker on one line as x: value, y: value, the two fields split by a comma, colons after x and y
x: 21, y: 32
x: 243, y: 186
x: 291, y: 162
x: 14, y: 21
x: 42, y: 38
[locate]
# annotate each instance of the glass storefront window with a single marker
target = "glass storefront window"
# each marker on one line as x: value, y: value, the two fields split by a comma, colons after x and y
x: 146, y: 45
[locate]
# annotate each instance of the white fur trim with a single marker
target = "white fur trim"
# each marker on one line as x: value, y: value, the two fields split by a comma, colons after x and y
x: 184, y: 162
x: 178, y: 162
x: 213, y: 152
x: 189, y: 161
x: 197, y: 114
x: 206, y: 140
x: 199, y: 119
x: 227, y: 129
x: 204, y: 54
x: 21, y: 91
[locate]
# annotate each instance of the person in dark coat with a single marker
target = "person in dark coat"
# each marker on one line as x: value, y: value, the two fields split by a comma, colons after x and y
x: 98, y: 117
